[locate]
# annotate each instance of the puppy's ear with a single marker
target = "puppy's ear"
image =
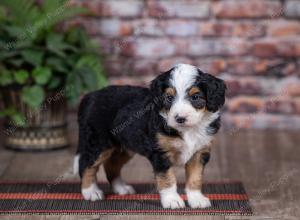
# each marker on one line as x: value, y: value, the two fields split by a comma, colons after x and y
x: 215, y: 91
x: 158, y: 86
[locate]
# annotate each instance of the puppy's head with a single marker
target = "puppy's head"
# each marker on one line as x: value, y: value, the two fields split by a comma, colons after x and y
x: 184, y: 95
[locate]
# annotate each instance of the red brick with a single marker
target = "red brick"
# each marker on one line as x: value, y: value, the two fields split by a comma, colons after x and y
x: 134, y: 81
x: 114, y: 8
x: 272, y: 48
x: 117, y: 67
x: 289, y: 86
x: 243, y: 86
x: 268, y: 66
x: 144, y: 67
x: 148, y: 27
x: 248, y: 30
x: 156, y: 48
x: 179, y: 8
x: 245, y: 104
x: 289, y: 48
x: 280, y: 106
x: 220, y: 47
x: 234, y: 122
x: 290, y: 69
x: 181, y: 28
x: 168, y: 63
x: 105, y: 27
x: 105, y: 45
x: 215, y: 29
x: 213, y: 66
x: 240, y: 66
x: 297, y: 103
x: 266, y: 48
x: 181, y: 46
x: 228, y: 29
x: 111, y: 27
x: 124, y: 47
x: 283, y: 28
x: 247, y: 9
x: 298, y: 67
x: 250, y: 66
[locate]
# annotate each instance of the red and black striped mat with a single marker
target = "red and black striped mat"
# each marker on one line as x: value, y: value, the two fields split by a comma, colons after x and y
x: 65, y: 198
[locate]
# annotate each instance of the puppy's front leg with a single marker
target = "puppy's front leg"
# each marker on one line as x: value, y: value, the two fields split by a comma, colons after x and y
x: 194, y: 172
x: 166, y: 184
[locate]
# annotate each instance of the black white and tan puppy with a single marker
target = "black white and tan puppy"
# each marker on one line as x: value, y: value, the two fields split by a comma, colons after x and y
x: 172, y: 124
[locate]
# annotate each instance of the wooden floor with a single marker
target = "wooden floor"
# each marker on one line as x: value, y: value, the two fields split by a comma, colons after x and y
x: 267, y: 162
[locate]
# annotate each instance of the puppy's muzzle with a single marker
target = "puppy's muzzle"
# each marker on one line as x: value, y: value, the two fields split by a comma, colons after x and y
x: 180, y: 119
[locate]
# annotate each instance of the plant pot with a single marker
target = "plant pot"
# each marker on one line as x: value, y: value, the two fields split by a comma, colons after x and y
x: 46, y: 127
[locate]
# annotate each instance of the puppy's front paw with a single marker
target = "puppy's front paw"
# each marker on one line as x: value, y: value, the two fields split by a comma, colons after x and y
x: 121, y: 188
x: 173, y: 201
x: 197, y: 200
x: 92, y: 193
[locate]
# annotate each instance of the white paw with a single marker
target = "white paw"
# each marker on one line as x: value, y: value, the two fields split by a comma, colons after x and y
x: 121, y: 188
x: 197, y: 200
x: 170, y: 198
x: 173, y: 201
x: 93, y: 193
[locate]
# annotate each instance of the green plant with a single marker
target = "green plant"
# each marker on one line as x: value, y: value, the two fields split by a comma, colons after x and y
x: 37, y: 55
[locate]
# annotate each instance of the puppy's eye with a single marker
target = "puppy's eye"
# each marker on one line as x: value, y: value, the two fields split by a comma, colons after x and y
x: 169, y: 98
x: 195, y: 97
x: 198, y: 100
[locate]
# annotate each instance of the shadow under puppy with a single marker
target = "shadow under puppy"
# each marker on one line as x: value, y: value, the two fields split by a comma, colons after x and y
x: 171, y: 124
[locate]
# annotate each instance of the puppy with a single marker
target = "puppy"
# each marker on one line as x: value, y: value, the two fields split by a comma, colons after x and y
x: 171, y: 124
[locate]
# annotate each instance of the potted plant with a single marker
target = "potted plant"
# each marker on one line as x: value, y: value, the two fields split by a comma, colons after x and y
x: 42, y: 68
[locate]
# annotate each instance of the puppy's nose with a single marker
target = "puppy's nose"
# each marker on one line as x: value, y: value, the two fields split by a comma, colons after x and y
x: 179, y: 119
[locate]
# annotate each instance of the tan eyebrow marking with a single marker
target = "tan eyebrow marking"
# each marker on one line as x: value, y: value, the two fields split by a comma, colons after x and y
x: 170, y: 91
x: 193, y: 91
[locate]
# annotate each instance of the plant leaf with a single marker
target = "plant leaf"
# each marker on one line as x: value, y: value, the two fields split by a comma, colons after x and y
x: 5, y: 54
x: 41, y: 75
x: 56, y: 44
x: 88, y: 78
x: 7, y: 112
x: 74, y: 87
x: 18, y: 119
x: 57, y: 64
x: 6, y: 78
x: 21, y: 76
x: 33, y: 57
x: 33, y: 96
x: 14, y: 31
x: 16, y: 62
x: 20, y: 10
x: 59, y: 10
x: 54, y: 83
x: 93, y: 62
x: 2, y: 13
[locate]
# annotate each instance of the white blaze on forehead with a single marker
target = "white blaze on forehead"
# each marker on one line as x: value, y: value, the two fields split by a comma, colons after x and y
x: 183, y: 77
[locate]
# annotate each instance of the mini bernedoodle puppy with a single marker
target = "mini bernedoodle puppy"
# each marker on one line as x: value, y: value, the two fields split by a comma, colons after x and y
x: 171, y: 124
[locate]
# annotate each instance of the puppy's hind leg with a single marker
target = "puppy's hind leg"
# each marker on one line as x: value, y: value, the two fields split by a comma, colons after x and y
x: 89, y: 187
x: 113, y: 167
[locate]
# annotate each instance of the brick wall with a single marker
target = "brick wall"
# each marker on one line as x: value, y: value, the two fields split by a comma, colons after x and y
x: 254, y: 45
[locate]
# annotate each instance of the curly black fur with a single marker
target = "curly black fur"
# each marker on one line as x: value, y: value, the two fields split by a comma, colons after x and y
x: 214, y: 89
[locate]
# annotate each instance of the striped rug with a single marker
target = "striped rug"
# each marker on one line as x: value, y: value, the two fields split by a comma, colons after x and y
x: 65, y: 198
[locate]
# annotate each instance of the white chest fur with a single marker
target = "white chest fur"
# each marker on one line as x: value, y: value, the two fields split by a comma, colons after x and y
x: 193, y: 140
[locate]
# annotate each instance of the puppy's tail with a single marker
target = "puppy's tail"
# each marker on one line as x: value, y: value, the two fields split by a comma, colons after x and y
x: 76, y: 164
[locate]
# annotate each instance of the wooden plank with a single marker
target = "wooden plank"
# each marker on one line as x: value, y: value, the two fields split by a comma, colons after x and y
x: 6, y: 158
